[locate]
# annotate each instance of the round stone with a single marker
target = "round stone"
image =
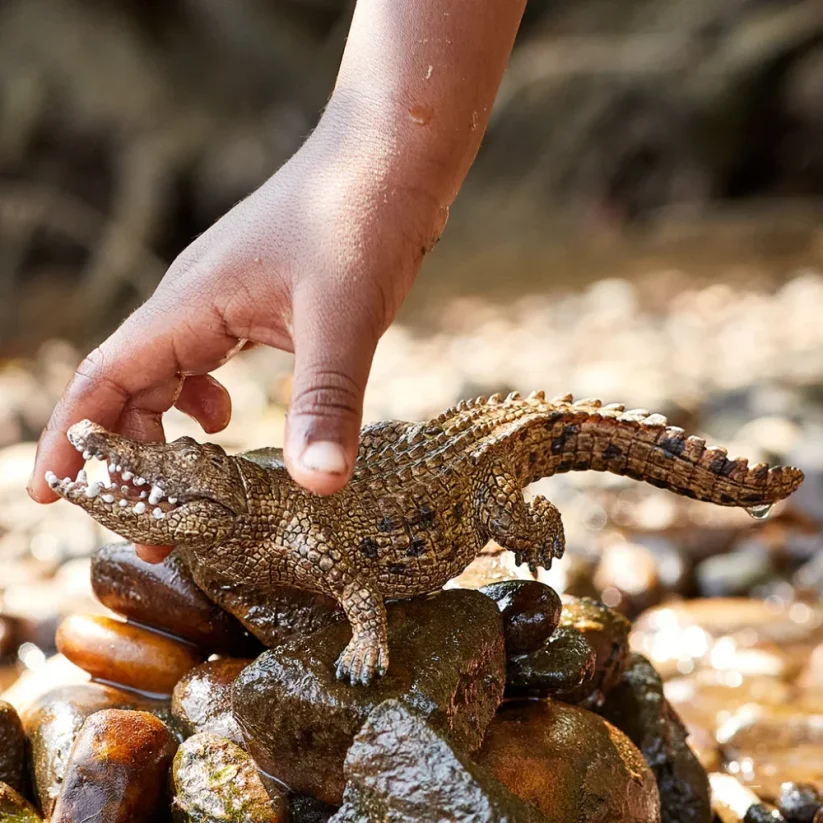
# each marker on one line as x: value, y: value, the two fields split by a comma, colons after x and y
x: 202, y: 699
x: 569, y: 763
x: 118, y: 770
x: 53, y: 720
x: 530, y: 610
x: 116, y: 652
x: 165, y: 596
x: 216, y: 780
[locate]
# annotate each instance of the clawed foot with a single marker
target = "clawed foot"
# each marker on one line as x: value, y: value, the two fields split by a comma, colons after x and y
x: 362, y: 659
x: 550, y: 543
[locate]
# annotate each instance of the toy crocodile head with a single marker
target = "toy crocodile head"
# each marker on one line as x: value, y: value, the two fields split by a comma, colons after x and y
x: 181, y: 493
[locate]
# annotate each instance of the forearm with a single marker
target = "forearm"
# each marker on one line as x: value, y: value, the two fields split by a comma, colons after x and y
x: 417, y: 82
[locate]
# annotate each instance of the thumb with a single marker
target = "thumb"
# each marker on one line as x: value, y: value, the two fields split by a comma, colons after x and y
x: 333, y: 350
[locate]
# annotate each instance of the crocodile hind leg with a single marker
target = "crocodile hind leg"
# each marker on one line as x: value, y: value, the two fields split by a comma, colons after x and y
x: 368, y: 651
x: 532, y: 530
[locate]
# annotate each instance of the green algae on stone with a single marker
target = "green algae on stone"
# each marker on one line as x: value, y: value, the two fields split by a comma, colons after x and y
x: 298, y: 720
x: 215, y: 781
x: 402, y: 769
x: 638, y: 707
x: 12, y: 749
x: 118, y: 770
x: 201, y: 701
x: 14, y: 808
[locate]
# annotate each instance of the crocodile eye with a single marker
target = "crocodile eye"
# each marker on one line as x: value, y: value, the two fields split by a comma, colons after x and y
x: 191, y: 455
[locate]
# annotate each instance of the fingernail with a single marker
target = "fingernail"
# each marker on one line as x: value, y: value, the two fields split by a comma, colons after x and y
x: 324, y: 457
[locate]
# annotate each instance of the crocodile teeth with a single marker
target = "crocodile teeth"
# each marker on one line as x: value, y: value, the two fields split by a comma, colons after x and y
x: 51, y: 479
x: 172, y: 500
x: 139, y: 481
x: 140, y: 508
x: 112, y: 467
x: 86, y: 455
x: 143, y: 495
x: 156, y: 495
x: 81, y: 477
x: 123, y: 504
x: 107, y: 498
x: 99, y: 456
x: 92, y: 490
x: 118, y: 468
x: 158, y: 513
x: 127, y: 475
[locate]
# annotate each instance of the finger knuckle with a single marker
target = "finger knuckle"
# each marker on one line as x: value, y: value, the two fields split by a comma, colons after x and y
x: 328, y: 393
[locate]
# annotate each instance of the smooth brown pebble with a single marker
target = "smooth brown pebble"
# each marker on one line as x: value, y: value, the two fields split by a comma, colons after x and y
x: 766, y: 746
x: 201, y: 701
x: 12, y: 749
x: 165, y: 596
x: 126, y: 655
x: 569, y: 763
x: 14, y: 808
x: 118, y: 770
x: 52, y: 722
x: 734, y: 634
x: 709, y: 698
x: 530, y: 611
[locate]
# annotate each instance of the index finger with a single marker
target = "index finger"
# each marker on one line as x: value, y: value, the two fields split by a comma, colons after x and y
x: 123, y: 367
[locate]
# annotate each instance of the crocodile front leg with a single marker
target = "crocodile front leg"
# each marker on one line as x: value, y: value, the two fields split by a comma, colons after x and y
x: 533, y: 531
x: 368, y: 651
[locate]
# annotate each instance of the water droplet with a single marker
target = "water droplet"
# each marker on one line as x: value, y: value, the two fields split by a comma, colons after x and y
x: 421, y: 115
x: 760, y: 512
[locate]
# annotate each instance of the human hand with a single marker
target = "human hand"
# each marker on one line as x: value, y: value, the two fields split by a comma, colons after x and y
x: 317, y: 262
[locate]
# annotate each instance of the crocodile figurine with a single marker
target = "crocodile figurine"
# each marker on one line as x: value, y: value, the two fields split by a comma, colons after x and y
x: 424, y: 500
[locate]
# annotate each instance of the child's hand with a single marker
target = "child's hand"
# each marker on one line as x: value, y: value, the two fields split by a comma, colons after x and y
x: 316, y: 262
x: 319, y: 259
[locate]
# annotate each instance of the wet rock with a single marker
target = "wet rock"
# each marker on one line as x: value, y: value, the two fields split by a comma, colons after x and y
x: 401, y: 768
x: 731, y: 800
x: 14, y: 808
x: 127, y: 655
x: 563, y: 664
x: 734, y: 574
x: 12, y: 749
x: 638, y: 707
x: 277, y: 615
x: 201, y: 701
x: 53, y: 721
x: 708, y: 698
x: 799, y: 802
x: 607, y: 632
x: 569, y: 763
x: 165, y: 596
x: 762, y: 813
x: 305, y: 809
x: 117, y: 770
x: 627, y: 577
x: 733, y: 634
x: 447, y: 659
x: 216, y: 781
x: 766, y: 746
x: 531, y: 612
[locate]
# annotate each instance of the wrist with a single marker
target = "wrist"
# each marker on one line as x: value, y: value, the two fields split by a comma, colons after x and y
x: 361, y: 146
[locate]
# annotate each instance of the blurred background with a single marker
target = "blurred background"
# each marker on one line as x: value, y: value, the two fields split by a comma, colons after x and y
x: 643, y: 224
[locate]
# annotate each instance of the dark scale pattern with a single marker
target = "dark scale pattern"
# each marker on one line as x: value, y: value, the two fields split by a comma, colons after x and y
x: 424, y: 500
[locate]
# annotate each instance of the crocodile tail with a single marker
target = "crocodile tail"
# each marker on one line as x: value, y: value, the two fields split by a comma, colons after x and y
x: 561, y: 435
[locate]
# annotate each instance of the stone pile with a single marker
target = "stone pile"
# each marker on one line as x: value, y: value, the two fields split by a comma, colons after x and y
x: 506, y: 703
